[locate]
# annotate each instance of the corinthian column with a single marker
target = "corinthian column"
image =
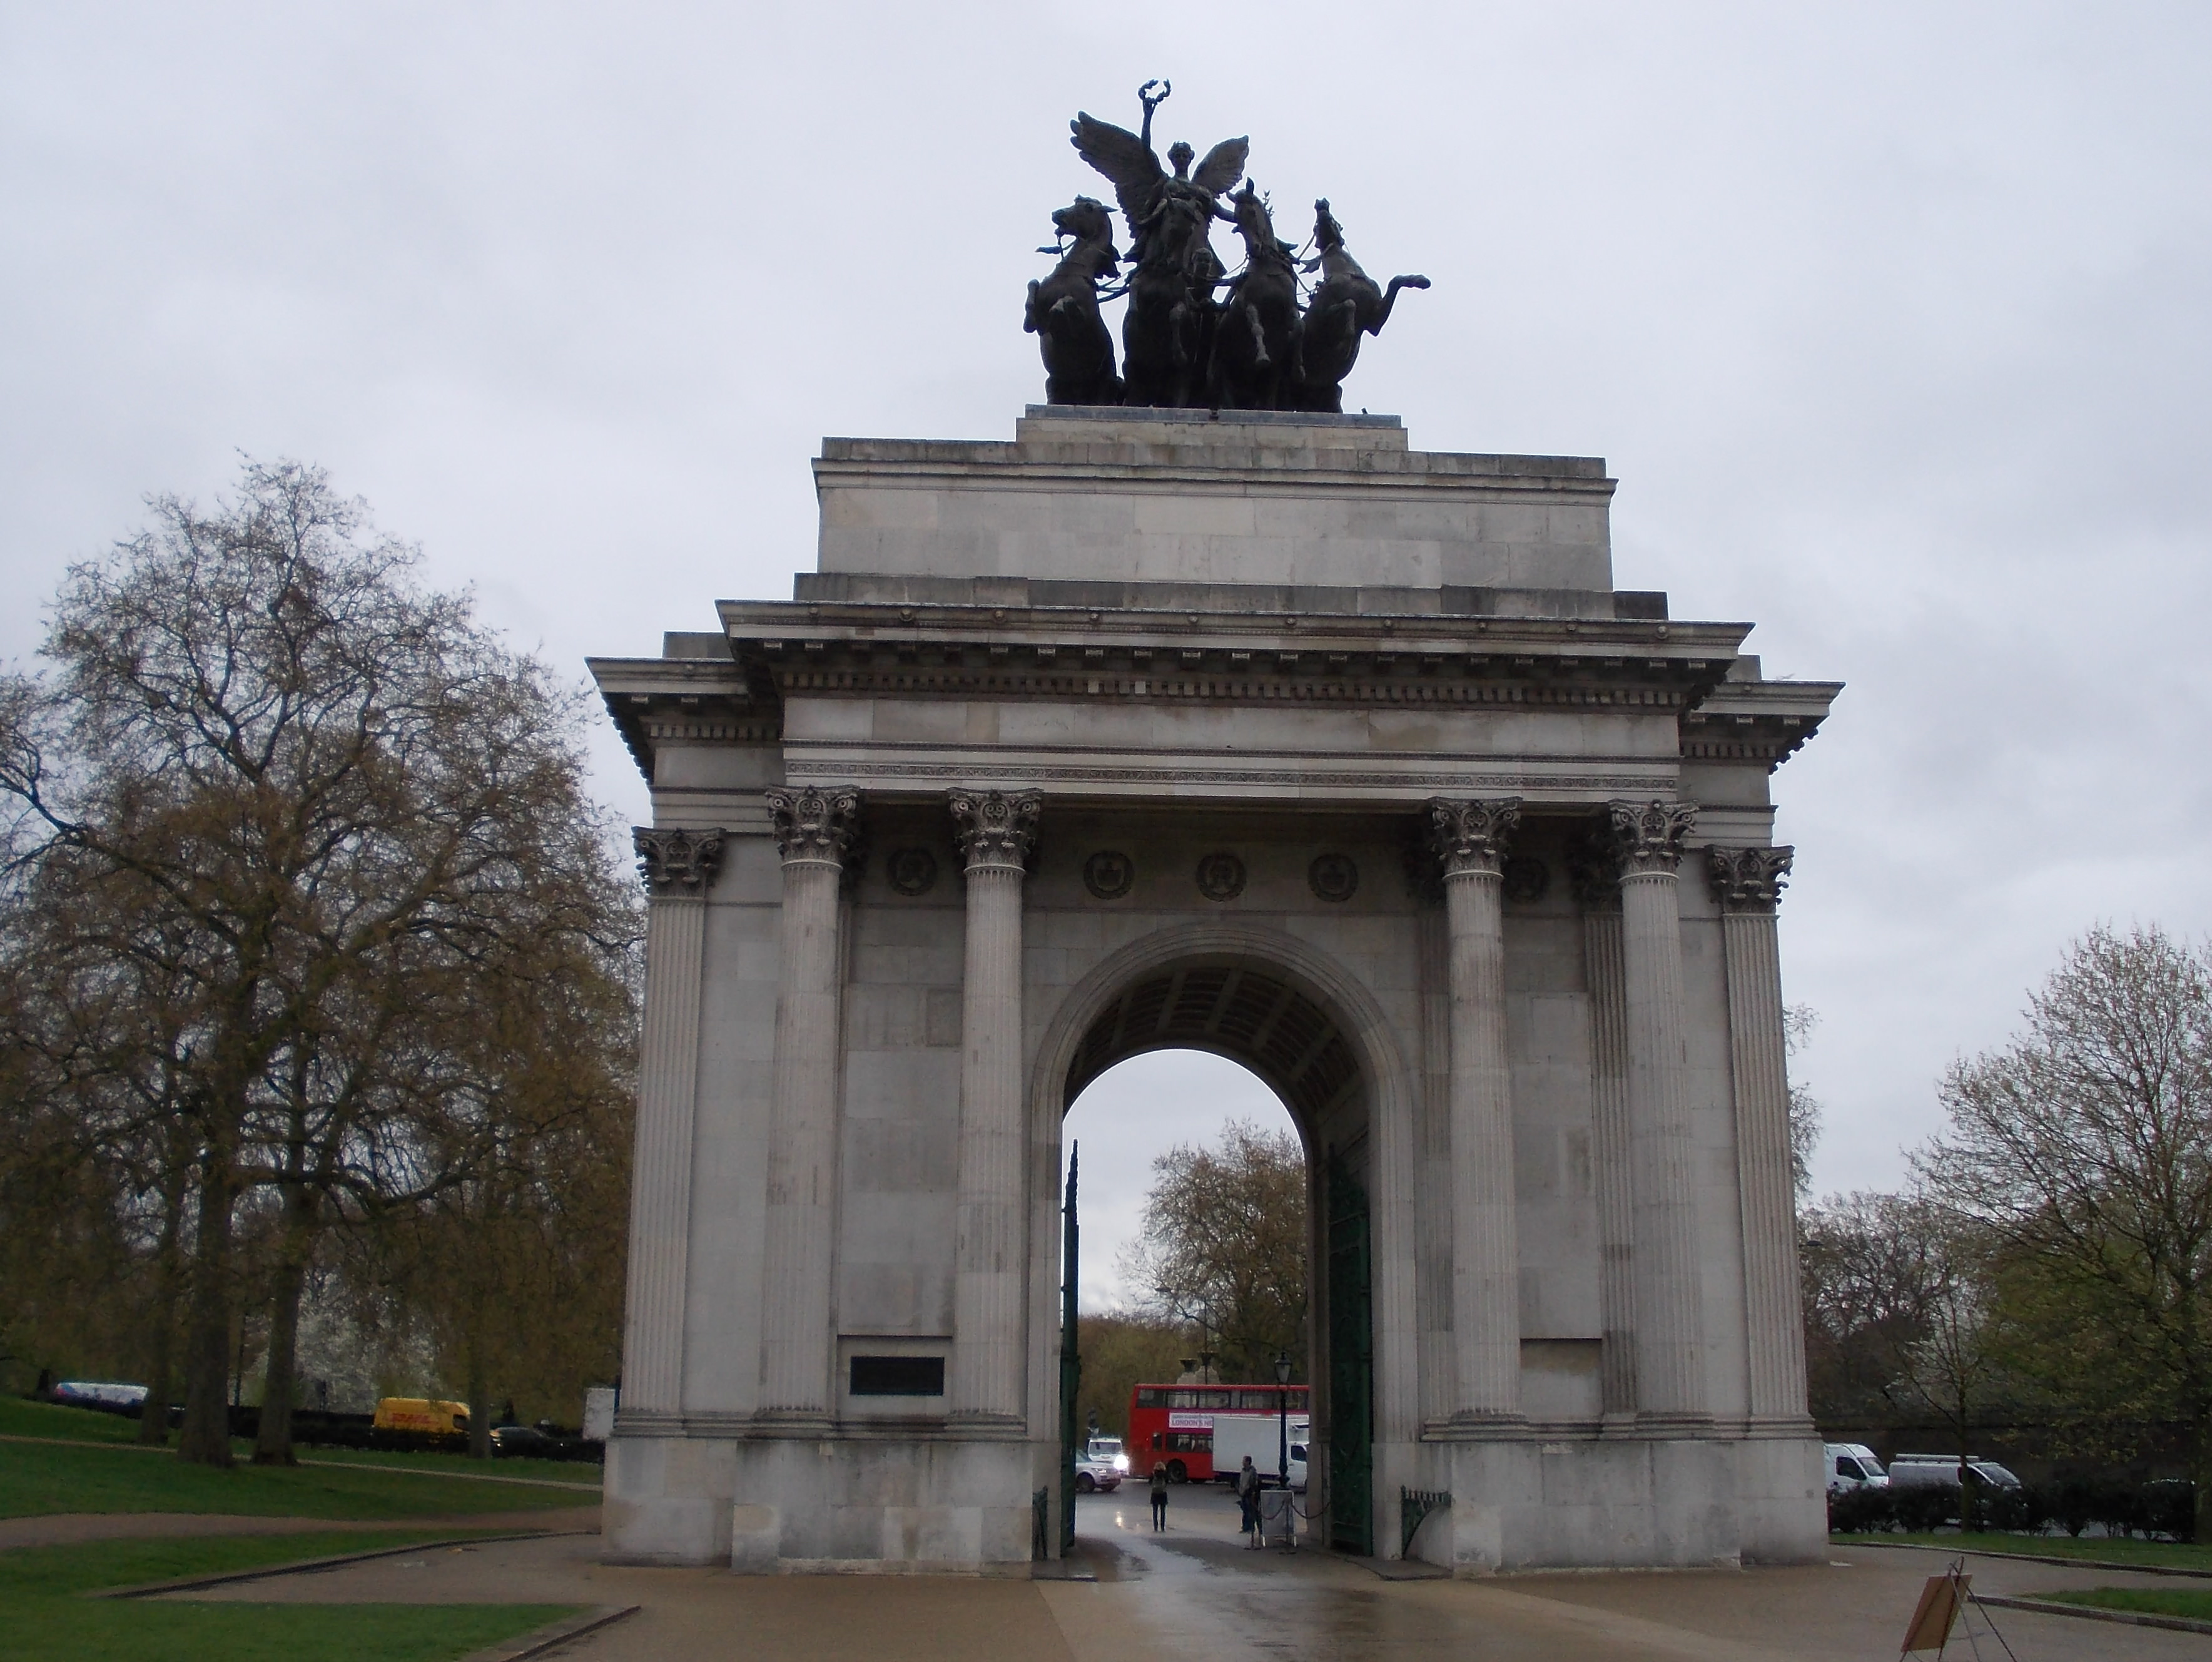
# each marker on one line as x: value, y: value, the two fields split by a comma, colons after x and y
x: 814, y: 832
x: 1596, y: 873
x: 1469, y: 839
x: 1647, y: 837
x: 1748, y: 883
x: 676, y: 867
x: 994, y: 832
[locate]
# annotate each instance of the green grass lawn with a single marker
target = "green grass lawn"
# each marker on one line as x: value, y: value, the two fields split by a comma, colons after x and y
x: 46, y: 1610
x: 2165, y: 1554
x: 2194, y: 1603
x: 101, y: 1470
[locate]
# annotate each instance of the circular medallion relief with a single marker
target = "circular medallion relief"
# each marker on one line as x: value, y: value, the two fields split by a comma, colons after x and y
x: 1526, y: 879
x: 1108, y: 873
x: 911, y: 870
x: 1221, y: 877
x: 1333, y: 877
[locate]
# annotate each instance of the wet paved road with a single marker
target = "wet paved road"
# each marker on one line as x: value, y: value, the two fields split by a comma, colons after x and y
x: 1197, y: 1594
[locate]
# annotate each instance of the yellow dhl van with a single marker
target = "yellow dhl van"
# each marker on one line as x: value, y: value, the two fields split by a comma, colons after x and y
x: 421, y: 1414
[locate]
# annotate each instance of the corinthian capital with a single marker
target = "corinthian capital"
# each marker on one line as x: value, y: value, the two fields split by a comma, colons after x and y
x: 1648, y: 836
x: 1748, y: 879
x: 813, y: 824
x: 1470, y: 836
x: 995, y: 828
x: 673, y: 862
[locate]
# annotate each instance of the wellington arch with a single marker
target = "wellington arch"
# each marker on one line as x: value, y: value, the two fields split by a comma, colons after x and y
x: 1255, y: 732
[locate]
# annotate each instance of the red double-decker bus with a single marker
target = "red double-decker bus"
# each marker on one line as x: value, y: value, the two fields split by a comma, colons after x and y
x: 1173, y: 1424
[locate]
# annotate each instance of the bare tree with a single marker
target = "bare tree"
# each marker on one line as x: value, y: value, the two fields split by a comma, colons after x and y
x: 319, y: 797
x: 2084, y: 1148
x: 1223, y: 1244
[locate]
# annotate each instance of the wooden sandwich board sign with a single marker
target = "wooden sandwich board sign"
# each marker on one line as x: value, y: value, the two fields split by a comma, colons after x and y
x: 1936, y: 1613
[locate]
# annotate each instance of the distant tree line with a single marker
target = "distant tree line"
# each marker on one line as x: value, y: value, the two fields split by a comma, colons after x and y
x: 2049, y: 1262
x: 317, y: 974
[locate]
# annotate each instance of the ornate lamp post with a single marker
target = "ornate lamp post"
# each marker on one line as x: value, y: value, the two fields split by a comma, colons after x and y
x: 1283, y: 1417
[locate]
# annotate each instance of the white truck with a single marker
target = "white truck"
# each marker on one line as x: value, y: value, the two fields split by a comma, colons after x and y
x: 1260, y: 1435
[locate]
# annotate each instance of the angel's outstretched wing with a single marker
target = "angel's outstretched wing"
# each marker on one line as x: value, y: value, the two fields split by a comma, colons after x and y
x: 1124, y: 159
x: 1224, y: 165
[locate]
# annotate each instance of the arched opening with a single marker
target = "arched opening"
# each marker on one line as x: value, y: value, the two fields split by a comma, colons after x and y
x: 1299, y: 1038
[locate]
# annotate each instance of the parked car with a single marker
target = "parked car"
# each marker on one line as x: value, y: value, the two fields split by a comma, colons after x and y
x: 1941, y: 1471
x: 1853, y: 1466
x: 1092, y: 1476
x: 516, y: 1441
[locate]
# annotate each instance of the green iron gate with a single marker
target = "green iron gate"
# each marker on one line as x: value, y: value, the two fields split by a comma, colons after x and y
x: 1071, y: 1363
x: 1351, y: 1366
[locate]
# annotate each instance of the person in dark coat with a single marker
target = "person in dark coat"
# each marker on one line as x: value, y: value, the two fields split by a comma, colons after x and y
x: 1247, y: 1499
x: 1160, y: 1495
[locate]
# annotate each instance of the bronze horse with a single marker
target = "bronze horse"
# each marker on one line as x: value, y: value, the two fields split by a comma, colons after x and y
x: 1063, y: 310
x: 1252, y: 365
x: 1346, y: 305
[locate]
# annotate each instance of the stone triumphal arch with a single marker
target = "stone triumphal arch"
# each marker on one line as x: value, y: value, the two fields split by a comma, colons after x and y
x: 1262, y: 734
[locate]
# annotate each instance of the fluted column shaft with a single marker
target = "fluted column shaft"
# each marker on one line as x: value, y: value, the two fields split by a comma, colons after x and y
x: 991, y: 1246
x: 1470, y: 839
x: 677, y: 866
x: 1670, y: 1314
x: 814, y: 832
x: 1616, y: 1226
x: 1749, y: 882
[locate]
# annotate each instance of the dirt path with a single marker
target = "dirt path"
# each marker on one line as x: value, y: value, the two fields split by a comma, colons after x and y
x: 62, y: 1528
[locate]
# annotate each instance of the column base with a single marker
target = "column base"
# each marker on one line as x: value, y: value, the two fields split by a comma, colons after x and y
x: 981, y: 1425
x: 801, y: 1423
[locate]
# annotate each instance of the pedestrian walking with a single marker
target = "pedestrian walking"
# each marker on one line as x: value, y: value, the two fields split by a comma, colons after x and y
x: 1247, y: 1499
x: 1160, y: 1496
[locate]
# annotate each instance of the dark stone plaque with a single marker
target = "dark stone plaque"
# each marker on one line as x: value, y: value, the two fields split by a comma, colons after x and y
x: 1108, y: 873
x: 1333, y: 877
x: 911, y: 870
x: 1221, y: 877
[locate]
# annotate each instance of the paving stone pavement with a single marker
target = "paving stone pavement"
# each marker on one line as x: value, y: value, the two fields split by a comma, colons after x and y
x: 1197, y: 1594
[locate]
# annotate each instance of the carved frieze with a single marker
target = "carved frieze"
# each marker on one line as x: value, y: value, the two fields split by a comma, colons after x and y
x: 1471, y: 836
x: 1647, y: 837
x: 995, y: 828
x: 670, y: 861
x: 1748, y: 879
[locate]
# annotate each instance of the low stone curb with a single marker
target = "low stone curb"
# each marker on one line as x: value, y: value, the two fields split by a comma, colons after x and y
x: 554, y: 1634
x: 308, y: 1566
x: 2128, y: 1618
x: 2033, y: 1558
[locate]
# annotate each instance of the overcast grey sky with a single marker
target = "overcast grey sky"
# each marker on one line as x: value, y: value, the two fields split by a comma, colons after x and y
x: 1891, y: 320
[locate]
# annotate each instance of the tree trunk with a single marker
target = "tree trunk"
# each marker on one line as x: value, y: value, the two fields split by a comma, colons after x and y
x: 205, y: 1438
x: 272, y: 1442
x: 479, y: 1387
x: 154, y: 1418
x: 2200, y: 1470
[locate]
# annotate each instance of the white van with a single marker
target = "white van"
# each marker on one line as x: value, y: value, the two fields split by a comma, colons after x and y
x: 1852, y: 1465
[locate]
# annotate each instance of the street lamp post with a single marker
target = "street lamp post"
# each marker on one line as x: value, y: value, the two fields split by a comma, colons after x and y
x: 1283, y: 1418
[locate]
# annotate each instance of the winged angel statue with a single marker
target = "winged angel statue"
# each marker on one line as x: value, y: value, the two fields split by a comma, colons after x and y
x: 1181, y: 346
